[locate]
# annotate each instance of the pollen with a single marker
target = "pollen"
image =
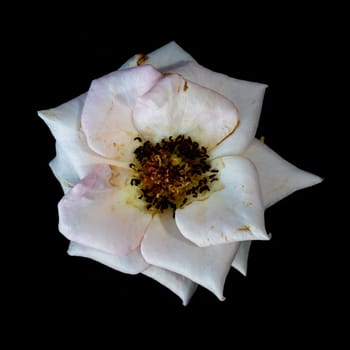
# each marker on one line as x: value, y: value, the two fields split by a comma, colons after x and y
x: 171, y: 173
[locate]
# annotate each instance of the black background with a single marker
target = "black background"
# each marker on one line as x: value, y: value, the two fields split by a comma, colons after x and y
x: 285, y: 291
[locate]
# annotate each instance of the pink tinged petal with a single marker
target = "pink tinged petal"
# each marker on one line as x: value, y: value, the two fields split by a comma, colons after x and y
x: 132, y: 263
x: 175, y: 106
x: 107, y: 114
x: 165, y: 246
x: 235, y: 213
x: 247, y: 96
x: 64, y: 123
x: 240, y: 262
x: 162, y: 58
x: 180, y: 285
x: 103, y: 217
x: 278, y: 178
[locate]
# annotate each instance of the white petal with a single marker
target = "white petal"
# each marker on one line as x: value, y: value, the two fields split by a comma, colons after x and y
x: 240, y: 262
x: 132, y: 263
x: 247, y: 96
x: 63, y: 169
x: 180, y: 285
x: 64, y: 123
x: 98, y: 215
x: 162, y: 58
x: 174, y: 106
x: 107, y: 113
x: 278, y: 178
x: 164, y: 246
x: 235, y: 213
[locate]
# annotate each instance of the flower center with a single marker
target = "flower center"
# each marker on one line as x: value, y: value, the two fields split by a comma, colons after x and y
x: 171, y: 173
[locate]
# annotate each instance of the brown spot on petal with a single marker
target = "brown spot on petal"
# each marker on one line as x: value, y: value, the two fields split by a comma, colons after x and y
x: 142, y: 58
x: 244, y: 228
x: 113, y: 180
x: 185, y: 86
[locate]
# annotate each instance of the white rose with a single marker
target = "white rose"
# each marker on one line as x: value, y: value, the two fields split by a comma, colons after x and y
x: 162, y: 174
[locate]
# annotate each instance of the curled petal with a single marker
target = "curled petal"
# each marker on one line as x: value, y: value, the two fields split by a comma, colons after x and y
x: 247, y: 96
x: 180, y: 285
x: 165, y: 246
x: 107, y: 114
x: 235, y: 213
x: 175, y: 106
x: 102, y: 216
x: 132, y: 263
x: 163, y: 58
x: 240, y: 262
x: 278, y: 178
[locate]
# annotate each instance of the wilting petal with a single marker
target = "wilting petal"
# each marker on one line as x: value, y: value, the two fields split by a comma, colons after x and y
x: 162, y: 58
x: 235, y: 213
x: 174, y: 106
x: 278, y: 178
x: 240, y: 262
x: 247, y: 96
x: 98, y: 215
x: 180, y: 285
x: 64, y: 123
x: 107, y: 114
x: 165, y: 246
x: 132, y: 263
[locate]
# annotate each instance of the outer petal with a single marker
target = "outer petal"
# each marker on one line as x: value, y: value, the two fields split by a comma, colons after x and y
x: 240, y: 262
x: 247, y: 96
x: 64, y: 123
x: 107, y: 114
x: 162, y: 58
x: 180, y: 285
x: 235, y: 213
x: 278, y: 178
x: 132, y: 263
x: 174, y: 106
x: 165, y: 246
x: 63, y: 169
x: 98, y: 215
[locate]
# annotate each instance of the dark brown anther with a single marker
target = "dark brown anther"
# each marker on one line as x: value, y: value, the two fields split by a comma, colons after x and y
x: 135, y: 182
x: 169, y: 171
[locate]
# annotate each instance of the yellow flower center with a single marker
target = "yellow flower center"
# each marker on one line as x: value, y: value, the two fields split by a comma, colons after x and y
x: 171, y: 173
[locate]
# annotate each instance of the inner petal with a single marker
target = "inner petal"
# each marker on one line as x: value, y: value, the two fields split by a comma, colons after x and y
x: 246, y: 95
x: 100, y: 212
x: 107, y: 113
x: 234, y: 213
x: 175, y: 106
